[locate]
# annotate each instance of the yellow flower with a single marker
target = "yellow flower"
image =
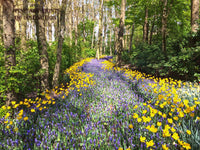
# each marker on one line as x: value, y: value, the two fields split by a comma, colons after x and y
x: 165, y: 147
x: 144, y: 111
x: 6, y: 121
x: 139, y: 119
x: 135, y: 107
x: 188, y: 132
x: 173, y: 129
x: 8, y: 107
x: 130, y: 126
x: 175, y: 118
x: 150, y: 143
x: 170, y: 120
x: 192, y: 114
x: 13, y: 102
x: 181, y: 114
x: 11, y: 123
x: 25, y: 118
x: 175, y: 136
x: 128, y: 148
x: 164, y: 116
x: 120, y: 148
x: 7, y: 127
x: 159, y: 124
x: 16, y: 129
x: 135, y: 115
x: 142, y: 139
x: 3, y: 107
x: 40, y: 108
x: 32, y: 110
x: 186, y: 146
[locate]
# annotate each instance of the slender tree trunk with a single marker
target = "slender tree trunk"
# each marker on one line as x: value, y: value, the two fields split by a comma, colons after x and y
x: 145, y: 29
x: 49, y: 23
x: 99, y: 49
x: 24, y: 25
x: 60, y: 43
x: 120, y: 34
x: 1, y: 22
x: 76, y: 25
x: 105, y: 28
x: 116, y: 31
x: 83, y: 20
x: 70, y: 20
x: 131, y: 38
x: 93, y: 17
x: 194, y: 15
x: 42, y: 44
x: 164, y: 26
x: 152, y: 28
x: 110, y: 16
x: 9, y: 44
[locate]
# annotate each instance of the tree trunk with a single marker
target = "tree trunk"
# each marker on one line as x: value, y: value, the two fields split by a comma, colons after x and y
x: 76, y: 25
x: 164, y: 26
x: 105, y: 28
x: 83, y: 20
x: 60, y: 43
x: 93, y: 17
x: 145, y: 30
x: 110, y: 16
x: 24, y: 25
x: 120, y: 34
x: 99, y: 49
x: 131, y: 38
x: 152, y: 28
x: 194, y: 15
x: 49, y: 23
x: 42, y: 44
x: 1, y: 22
x: 9, y: 44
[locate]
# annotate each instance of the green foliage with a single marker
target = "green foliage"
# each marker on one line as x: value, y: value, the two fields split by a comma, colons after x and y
x: 87, y: 52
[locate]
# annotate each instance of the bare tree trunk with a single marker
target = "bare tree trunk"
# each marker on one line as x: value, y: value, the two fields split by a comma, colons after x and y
x: 164, y: 26
x: 9, y: 44
x: 131, y: 38
x: 70, y: 20
x: 93, y: 17
x: 121, y: 33
x: 194, y: 15
x: 1, y: 22
x: 83, y: 20
x: 145, y: 30
x: 110, y: 16
x: 116, y: 31
x: 152, y: 28
x: 60, y: 43
x: 76, y: 25
x: 42, y: 43
x: 105, y: 28
x: 99, y: 49
x: 49, y: 23
x: 24, y: 25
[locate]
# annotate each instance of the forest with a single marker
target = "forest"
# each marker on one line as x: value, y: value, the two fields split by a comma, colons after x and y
x: 99, y: 74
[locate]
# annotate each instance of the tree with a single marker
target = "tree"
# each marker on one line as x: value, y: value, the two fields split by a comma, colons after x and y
x: 9, y: 44
x: 1, y: 22
x: 145, y: 28
x: 24, y: 24
x: 42, y: 43
x: 120, y: 34
x: 99, y: 49
x: 194, y: 15
x: 60, y: 43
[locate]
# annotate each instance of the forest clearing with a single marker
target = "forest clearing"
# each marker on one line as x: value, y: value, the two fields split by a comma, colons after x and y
x: 99, y: 75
